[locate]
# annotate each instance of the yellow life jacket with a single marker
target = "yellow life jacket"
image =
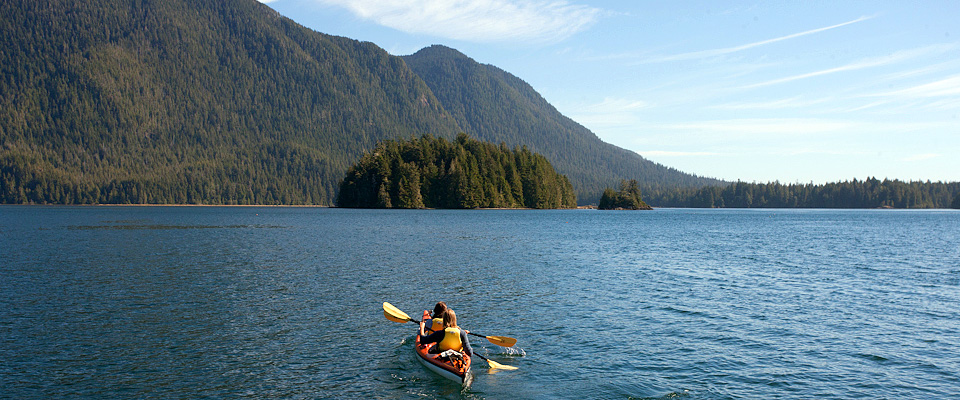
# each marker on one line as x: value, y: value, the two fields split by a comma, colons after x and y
x: 451, y: 340
x: 435, y: 324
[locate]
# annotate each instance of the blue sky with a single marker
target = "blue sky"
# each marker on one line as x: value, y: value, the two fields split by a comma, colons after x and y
x: 803, y: 91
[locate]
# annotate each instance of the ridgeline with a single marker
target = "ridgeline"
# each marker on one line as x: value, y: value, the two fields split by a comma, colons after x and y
x: 228, y: 102
x: 435, y: 173
x: 495, y: 106
x: 191, y: 102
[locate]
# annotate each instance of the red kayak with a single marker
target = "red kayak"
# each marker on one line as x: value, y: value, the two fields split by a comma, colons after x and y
x: 455, y: 370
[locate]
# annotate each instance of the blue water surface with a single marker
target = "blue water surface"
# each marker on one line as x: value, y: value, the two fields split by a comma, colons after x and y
x: 237, y: 302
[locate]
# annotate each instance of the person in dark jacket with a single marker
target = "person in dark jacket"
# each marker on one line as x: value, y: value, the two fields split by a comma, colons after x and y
x: 451, y: 337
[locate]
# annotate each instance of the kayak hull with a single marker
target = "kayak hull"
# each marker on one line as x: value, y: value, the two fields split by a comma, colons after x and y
x: 453, y: 371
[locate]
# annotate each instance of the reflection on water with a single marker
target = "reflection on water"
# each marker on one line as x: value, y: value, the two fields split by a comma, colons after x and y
x: 156, y: 226
x: 286, y: 302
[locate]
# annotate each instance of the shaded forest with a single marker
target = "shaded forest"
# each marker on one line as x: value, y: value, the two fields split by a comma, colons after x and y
x: 435, y: 173
x: 628, y: 198
x: 175, y: 101
x: 228, y: 102
x: 869, y: 193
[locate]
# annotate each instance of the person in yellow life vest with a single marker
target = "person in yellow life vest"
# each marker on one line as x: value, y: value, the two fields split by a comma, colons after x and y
x: 436, y: 323
x: 451, y: 337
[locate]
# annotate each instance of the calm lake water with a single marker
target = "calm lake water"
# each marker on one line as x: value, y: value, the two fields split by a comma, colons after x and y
x: 190, y: 302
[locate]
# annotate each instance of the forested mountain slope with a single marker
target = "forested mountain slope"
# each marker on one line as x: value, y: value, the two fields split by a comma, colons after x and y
x: 493, y: 105
x: 227, y: 102
x: 184, y: 101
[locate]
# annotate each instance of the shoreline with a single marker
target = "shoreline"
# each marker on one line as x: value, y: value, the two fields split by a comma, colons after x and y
x: 169, y: 205
x: 588, y: 207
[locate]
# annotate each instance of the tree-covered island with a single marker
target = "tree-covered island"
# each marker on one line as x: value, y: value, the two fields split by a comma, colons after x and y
x: 433, y: 172
x: 628, y: 198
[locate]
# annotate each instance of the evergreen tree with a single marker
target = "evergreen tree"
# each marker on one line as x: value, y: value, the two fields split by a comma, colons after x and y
x: 213, y: 102
x: 869, y: 193
x: 466, y: 173
x: 608, y: 200
x: 628, y: 198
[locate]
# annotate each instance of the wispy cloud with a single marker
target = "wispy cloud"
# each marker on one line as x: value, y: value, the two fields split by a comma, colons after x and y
x: 866, y: 106
x: 763, y: 126
x: 478, y: 20
x: 757, y: 151
x: 662, y: 153
x: 774, y: 131
x: 920, y: 157
x: 728, y: 50
x: 944, y: 87
x: 609, y: 112
x: 614, y: 105
x: 951, y: 104
x: 793, y: 102
x: 894, y: 58
x: 924, y: 70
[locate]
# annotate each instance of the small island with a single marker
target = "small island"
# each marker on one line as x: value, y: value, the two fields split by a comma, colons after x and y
x: 433, y: 172
x: 628, y: 198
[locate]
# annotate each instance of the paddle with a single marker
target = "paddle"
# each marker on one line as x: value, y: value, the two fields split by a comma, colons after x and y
x: 495, y: 365
x: 498, y: 340
x: 394, y: 314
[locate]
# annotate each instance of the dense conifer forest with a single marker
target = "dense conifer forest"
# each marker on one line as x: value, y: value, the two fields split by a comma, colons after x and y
x: 628, y: 198
x: 435, y: 173
x: 869, y: 193
x: 228, y: 102
x: 177, y: 101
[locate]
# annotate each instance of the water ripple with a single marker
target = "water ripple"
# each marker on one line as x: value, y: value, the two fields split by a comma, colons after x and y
x: 672, y: 304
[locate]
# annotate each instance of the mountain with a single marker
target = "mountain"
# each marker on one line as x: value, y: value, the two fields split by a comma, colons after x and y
x: 493, y: 105
x: 227, y: 102
x: 184, y: 101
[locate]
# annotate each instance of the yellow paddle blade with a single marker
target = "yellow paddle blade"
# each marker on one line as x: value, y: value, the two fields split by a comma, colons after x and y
x: 495, y: 365
x: 394, y: 314
x: 394, y: 318
x: 502, y: 340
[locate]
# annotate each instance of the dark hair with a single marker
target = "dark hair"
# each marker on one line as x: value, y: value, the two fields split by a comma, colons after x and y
x: 439, y: 309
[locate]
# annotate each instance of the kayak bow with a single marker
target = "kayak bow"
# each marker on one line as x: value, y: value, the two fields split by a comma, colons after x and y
x: 453, y: 370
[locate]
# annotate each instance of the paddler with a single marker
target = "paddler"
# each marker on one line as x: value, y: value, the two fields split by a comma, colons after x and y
x: 436, y: 322
x: 451, y: 337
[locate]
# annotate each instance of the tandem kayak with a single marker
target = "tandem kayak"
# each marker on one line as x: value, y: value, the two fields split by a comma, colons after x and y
x: 454, y: 370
